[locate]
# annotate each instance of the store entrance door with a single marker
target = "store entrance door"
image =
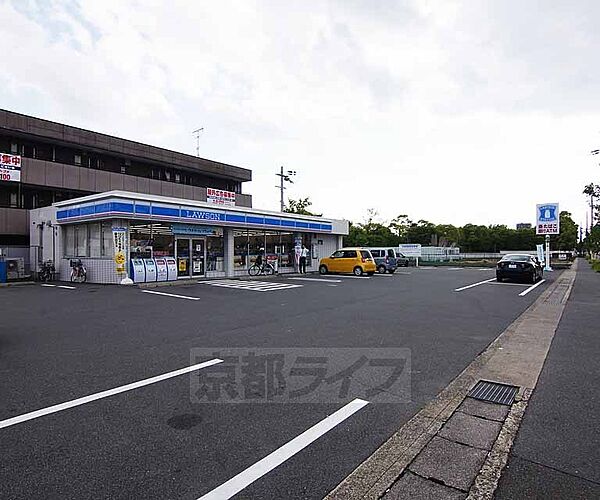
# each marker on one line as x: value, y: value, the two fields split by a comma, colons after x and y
x: 189, y: 253
x: 198, y: 247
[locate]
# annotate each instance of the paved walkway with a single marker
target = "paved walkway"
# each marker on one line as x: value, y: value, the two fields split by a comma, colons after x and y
x: 557, y: 451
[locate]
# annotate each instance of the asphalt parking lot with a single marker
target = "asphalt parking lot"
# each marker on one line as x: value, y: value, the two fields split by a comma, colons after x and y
x: 154, y: 440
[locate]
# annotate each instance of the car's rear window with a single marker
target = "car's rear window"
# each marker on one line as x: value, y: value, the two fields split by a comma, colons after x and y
x: 350, y: 254
x: 376, y: 253
x: 516, y: 257
x: 365, y: 254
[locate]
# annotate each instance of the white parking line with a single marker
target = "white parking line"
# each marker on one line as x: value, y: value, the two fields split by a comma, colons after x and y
x: 47, y: 284
x: 317, y: 279
x: 474, y: 284
x: 104, y: 394
x: 171, y: 295
x: 67, y: 287
x: 525, y: 292
x: 280, y: 455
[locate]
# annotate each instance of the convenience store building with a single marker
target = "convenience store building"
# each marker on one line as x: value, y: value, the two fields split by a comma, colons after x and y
x: 158, y: 238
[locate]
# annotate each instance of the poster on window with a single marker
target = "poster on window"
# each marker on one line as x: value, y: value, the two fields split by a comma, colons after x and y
x: 220, y: 197
x: 120, y: 242
x: 10, y: 168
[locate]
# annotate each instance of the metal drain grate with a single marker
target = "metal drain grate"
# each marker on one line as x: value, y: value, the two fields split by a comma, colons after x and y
x: 493, y: 392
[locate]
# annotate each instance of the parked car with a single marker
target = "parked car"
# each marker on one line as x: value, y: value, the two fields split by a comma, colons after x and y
x: 385, y: 259
x: 401, y: 260
x: 519, y: 267
x: 357, y: 261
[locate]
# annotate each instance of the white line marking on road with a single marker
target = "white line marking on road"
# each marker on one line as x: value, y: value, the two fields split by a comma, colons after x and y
x: 525, y: 292
x: 104, y: 394
x: 280, y: 455
x: 47, y: 284
x: 255, y: 286
x: 454, y: 268
x: 474, y: 284
x: 171, y: 295
x: 317, y: 279
x: 402, y: 272
x: 67, y: 287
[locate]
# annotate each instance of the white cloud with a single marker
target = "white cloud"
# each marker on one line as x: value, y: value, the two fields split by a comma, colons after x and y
x: 449, y: 111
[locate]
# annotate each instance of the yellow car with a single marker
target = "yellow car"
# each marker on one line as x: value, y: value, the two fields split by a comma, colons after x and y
x: 349, y: 260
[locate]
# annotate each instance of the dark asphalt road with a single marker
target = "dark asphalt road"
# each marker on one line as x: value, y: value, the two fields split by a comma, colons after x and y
x: 556, y: 452
x: 58, y: 344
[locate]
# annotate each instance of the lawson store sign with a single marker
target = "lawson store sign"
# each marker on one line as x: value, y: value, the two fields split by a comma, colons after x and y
x: 177, y: 213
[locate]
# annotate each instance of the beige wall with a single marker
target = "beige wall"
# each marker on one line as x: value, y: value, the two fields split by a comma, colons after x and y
x: 14, y: 221
x: 51, y: 174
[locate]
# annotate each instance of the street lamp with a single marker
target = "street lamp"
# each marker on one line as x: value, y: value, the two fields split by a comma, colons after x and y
x: 284, y: 177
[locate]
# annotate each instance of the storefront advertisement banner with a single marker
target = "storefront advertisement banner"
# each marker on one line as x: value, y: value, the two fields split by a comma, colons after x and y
x: 10, y: 168
x: 120, y: 243
x: 196, y: 230
x: 220, y: 197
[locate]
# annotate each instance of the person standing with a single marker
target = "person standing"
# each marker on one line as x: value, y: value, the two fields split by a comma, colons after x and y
x: 303, y: 257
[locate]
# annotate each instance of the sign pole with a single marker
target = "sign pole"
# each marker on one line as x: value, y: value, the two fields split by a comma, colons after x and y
x: 547, y: 268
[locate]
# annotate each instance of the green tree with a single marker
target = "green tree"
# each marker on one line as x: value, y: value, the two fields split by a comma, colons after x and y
x: 567, y: 239
x: 300, y: 206
x: 399, y: 227
x: 421, y: 232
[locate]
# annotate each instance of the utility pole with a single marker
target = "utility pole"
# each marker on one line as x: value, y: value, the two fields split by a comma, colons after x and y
x: 197, y: 134
x: 284, y: 177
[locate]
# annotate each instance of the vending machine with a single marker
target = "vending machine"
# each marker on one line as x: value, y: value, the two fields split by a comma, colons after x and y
x: 138, y: 271
x: 150, y: 266
x: 171, y: 268
x: 161, y: 269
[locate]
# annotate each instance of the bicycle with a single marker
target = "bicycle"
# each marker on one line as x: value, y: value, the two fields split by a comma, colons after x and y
x: 78, y: 271
x: 47, y: 271
x: 258, y: 269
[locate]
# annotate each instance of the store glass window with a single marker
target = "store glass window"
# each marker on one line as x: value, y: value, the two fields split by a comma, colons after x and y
x: 69, y: 238
x: 256, y: 244
x: 240, y: 248
x: 286, y: 250
x: 95, y: 240
x: 149, y: 240
x: 81, y: 240
x: 215, y: 253
x: 107, y: 239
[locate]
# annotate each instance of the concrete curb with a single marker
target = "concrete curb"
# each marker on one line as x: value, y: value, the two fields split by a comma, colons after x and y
x: 17, y: 283
x: 528, y: 336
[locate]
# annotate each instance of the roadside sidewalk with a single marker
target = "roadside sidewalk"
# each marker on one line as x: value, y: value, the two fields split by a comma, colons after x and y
x: 557, y: 450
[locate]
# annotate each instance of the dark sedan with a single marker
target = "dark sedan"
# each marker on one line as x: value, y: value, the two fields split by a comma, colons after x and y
x: 519, y: 267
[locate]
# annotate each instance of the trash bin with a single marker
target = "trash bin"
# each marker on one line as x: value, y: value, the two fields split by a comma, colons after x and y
x: 2, y: 271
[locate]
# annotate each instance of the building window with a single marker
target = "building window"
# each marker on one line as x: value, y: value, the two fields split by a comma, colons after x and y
x: 177, y: 177
x: 167, y: 175
x: 95, y: 244
x: 81, y: 240
x: 77, y: 160
x: 107, y: 239
x: 215, y: 253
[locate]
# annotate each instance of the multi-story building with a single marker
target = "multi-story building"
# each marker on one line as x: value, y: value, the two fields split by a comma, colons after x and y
x: 60, y: 162
x: 117, y: 205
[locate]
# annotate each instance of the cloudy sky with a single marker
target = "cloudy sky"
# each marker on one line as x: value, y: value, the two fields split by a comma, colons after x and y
x: 450, y: 111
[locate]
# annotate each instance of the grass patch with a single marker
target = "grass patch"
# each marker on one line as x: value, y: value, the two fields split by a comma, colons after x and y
x: 595, y: 265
